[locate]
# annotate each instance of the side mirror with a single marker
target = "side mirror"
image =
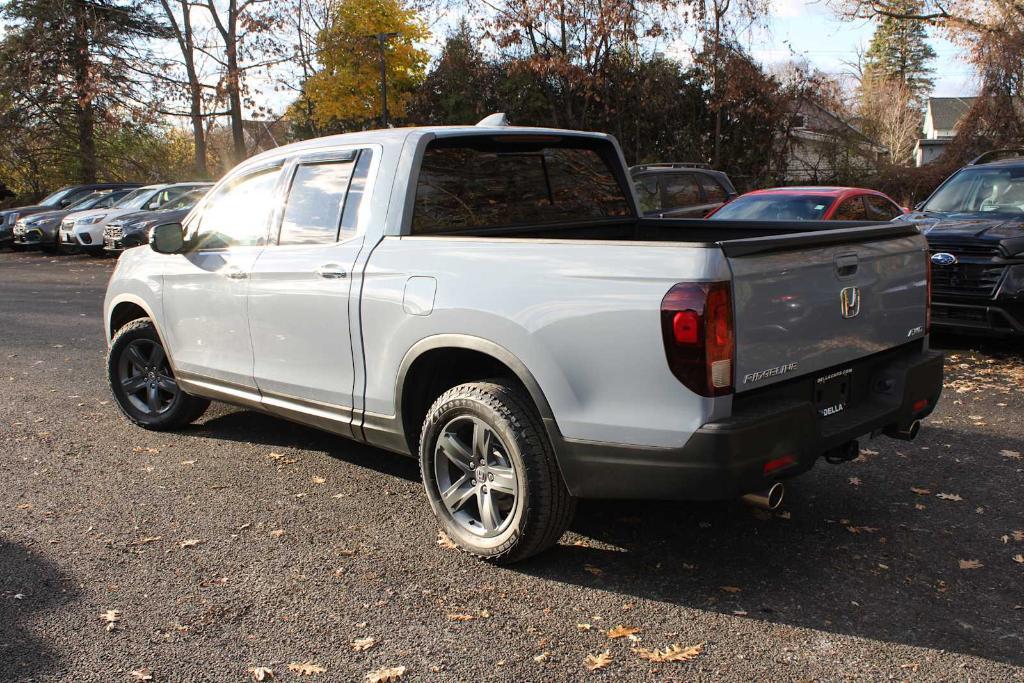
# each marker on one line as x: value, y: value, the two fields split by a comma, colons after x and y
x: 167, y: 238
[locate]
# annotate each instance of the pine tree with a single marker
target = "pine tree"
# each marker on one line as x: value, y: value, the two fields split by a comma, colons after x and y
x: 899, y: 51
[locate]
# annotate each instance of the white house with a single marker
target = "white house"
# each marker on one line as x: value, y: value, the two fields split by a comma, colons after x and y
x: 941, y: 117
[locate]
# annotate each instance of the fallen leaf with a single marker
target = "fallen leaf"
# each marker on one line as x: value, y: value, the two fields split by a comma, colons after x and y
x: 731, y: 589
x: 918, y: 506
x: 971, y: 564
x: 593, y: 663
x: 275, y: 456
x: 445, y: 542
x: 1018, y: 558
x: 1017, y: 534
x: 1010, y: 454
x: 948, y: 496
x: 305, y: 668
x: 584, y: 627
x: 111, y: 617
x: 277, y: 533
x: 142, y: 449
x: 461, y: 617
x: 25, y: 506
x: 261, y: 673
x: 142, y: 675
x: 913, y: 666
x: 542, y: 657
x: 596, y: 571
x: 319, y: 480
x: 360, y: 644
x: 921, y: 492
x: 673, y: 653
x: 190, y: 543
x: 854, y: 481
x: 621, y: 631
x: 386, y: 675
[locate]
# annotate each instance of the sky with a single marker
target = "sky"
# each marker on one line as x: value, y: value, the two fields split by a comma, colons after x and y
x: 812, y: 30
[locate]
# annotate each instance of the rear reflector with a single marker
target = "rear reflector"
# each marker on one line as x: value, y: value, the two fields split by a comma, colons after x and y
x: 696, y: 325
x: 919, y: 405
x: 779, y: 463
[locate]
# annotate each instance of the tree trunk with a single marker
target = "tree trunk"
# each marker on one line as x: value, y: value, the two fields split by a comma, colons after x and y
x: 195, y: 89
x: 85, y: 115
x: 234, y: 84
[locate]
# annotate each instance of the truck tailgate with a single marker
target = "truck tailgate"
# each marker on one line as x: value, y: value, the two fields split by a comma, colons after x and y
x: 807, y: 302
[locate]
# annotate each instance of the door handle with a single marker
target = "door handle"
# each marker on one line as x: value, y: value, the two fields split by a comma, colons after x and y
x: 331, y: 271
x: 236, y: 274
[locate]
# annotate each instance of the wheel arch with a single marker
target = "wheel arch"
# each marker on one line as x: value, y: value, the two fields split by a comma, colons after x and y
x: 125, y: 309
x: 437, y: 363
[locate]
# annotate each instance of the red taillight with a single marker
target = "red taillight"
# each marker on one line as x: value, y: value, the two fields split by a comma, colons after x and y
x: 919, y: 405
x: 696, y: 325
x: 928, y: 303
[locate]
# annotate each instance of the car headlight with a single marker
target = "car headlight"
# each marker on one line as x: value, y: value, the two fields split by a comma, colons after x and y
x: 89, y: 220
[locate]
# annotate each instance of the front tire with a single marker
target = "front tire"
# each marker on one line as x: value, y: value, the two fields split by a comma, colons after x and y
x: 490, y: 473
x: 142, y: 381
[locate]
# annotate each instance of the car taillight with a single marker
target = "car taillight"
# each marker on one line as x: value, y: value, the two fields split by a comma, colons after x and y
x: 696, y: 326
x: 928, y: 303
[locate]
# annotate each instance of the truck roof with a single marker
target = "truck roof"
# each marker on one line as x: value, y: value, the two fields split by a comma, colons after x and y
x: 398, y: 136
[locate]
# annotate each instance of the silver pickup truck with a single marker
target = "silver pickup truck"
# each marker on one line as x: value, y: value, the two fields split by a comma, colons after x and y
x: 489, y: 300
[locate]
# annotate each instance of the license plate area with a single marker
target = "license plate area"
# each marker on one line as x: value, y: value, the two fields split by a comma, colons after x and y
x: 832, y: 392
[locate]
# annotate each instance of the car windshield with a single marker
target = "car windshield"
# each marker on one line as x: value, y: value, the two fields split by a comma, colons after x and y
x: 774, y: 207
x: 185, y: 201
x: 980, y: 190
x: 87, y: 202
x: 136, y: 199
x: 54, y: 199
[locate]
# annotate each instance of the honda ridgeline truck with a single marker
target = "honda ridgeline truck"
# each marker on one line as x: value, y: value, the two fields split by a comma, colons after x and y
x: 490, y: 300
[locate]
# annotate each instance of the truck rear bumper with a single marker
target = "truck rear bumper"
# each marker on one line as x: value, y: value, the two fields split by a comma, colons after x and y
x: 778, y: 424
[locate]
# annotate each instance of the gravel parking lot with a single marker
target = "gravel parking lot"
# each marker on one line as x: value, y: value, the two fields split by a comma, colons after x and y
x: 248, y: 542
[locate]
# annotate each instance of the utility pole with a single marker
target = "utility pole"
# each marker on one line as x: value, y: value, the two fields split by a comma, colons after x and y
x: 382, y: 41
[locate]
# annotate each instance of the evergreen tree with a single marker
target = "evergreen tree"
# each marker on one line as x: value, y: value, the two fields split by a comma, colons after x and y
x: 72, y: 67
x: 899, y: 51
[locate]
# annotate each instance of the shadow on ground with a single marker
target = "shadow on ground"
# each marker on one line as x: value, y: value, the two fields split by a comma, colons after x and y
x: 29, y: 585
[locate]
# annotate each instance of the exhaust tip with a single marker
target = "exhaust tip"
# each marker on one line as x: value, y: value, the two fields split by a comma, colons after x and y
x: 908, y: 433
x: 769, y: 499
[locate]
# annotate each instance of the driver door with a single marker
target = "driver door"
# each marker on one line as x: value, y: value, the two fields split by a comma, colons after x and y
x: 205, y: 287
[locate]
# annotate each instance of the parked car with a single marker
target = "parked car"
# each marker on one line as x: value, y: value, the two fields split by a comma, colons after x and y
x: 463, y: 294
x: 84, y: 229
x: 811, y: 203
x: 42, y: 230
x: 62, y: 198
x: 132, y: 229
x: 974, y: 223
x: 680, y: 190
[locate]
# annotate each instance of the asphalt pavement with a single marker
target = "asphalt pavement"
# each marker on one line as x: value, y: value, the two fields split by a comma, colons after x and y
x: 246, y: 541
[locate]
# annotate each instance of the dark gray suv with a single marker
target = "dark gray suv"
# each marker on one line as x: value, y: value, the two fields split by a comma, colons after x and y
x: 680, y: 190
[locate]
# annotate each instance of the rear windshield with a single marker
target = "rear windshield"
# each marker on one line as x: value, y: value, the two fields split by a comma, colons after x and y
x: 495, y: 182
x: 774, y: 207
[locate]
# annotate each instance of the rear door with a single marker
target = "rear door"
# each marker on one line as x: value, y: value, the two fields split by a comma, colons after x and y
x: 807, y: 302
x: 300, y: 288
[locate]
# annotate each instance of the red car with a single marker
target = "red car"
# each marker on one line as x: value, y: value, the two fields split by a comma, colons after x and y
x: 810, y: 204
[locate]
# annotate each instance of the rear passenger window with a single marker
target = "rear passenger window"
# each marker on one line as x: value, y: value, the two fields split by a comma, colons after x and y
x: 680, y: 191
x: 312, y: 212
x: 881, y: 209
x: 713, y: 192
x: 851, y: 209
x: 648, y: 193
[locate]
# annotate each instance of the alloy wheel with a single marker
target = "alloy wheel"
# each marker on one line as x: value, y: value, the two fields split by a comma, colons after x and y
x: 476, y: 478
x: 146, y: 378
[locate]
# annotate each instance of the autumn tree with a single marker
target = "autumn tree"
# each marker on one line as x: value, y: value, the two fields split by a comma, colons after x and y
x: 345, y: 92
x: 462, y: 84
x: 992, y: 35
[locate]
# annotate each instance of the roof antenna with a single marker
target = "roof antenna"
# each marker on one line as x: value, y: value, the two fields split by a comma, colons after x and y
x: 498, y: 119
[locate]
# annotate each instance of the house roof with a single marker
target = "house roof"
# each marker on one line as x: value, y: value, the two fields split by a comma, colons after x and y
x: 947, y: 111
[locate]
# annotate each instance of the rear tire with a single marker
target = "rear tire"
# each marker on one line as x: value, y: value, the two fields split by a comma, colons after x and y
x: 142, y: 381
x: 490, y: 474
